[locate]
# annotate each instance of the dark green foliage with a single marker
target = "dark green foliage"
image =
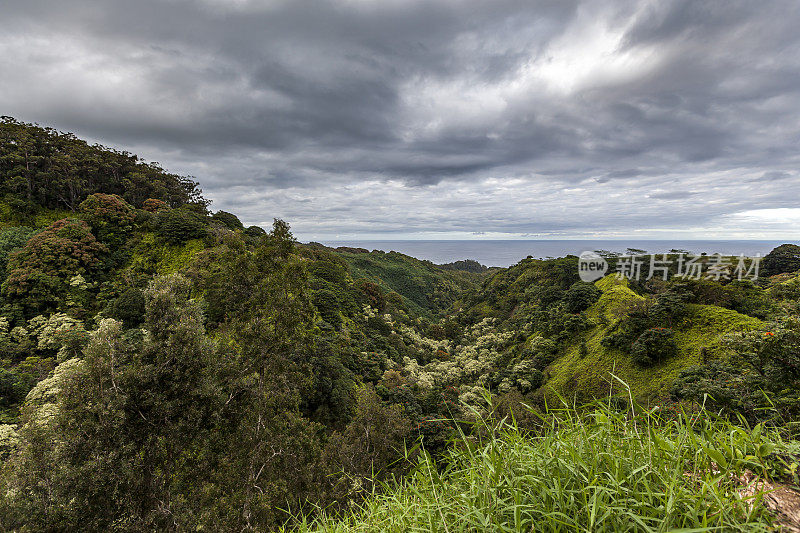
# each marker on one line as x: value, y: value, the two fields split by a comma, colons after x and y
x: 703, y: 291
x: 12, y: 239
x: 654, y: 345
x: 128, y: 307
x: 124, y: 426
x: 17, y: 380
x: 372, y: 293
x: 719, y: 380
x: 172, y: 431
x: 424, y: 287
x: 541, y: 351
x: 328, y: 306
x: 372, y: 446
x: 761, y: 379
x: 784, y: 258
x: 547, y: 295
x: 255, y: 231
x: 176, y: 226
x: 44, y: 167
x: 750, y: 299
x: 583, y: 350
x: 669, y: 306
x: 39, y: 274
x: 229, y: 220
x: 580, y: 297
x: 467, y: 265
x: 12, y: 388
x: 330, y: 269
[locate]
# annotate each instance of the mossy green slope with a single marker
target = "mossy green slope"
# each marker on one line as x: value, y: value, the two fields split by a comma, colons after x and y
x: 426, y: 288
x: 40, y: 218
x: 157, y: 257
x: 591, y: 375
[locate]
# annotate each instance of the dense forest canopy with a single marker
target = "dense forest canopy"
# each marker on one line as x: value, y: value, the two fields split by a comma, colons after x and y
x: 42, y: 167
x: 167, y: 368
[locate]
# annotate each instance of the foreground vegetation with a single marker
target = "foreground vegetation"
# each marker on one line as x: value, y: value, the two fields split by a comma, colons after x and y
x: 596, y: 469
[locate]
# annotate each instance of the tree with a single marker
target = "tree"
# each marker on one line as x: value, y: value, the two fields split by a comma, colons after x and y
x: 129, y: 307
x: 654, y: 345
x: 176, y: 226
x: 580, y: 296
x: 153, y: 205
x: 255, y: 232
x: 372, y: 446
x: 110, y: 217
x: 229, y: 220
x: 40, y: 272
x: 784, y: 258
x: 124, y: 444
x: 760, y: 380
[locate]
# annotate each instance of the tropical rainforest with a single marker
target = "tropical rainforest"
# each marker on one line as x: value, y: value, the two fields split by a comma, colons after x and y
x: 165, y: 368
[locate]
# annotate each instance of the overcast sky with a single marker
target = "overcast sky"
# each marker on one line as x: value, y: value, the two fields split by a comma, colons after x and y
x: 436, y: 119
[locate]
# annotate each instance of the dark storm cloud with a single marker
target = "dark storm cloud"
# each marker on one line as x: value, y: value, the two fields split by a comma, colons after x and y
x: 389, y: 116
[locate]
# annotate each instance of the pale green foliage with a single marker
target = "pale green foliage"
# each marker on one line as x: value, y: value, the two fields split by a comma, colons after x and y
x: 41, y: 404
x: 468, y: 365
x: 9, y: 439
x: 59, y: 332
x: 425, y: 344
x: 18, y: 334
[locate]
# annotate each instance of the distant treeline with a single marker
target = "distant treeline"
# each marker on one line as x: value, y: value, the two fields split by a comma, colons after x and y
x: 467, y: 265
x: 42, y: 167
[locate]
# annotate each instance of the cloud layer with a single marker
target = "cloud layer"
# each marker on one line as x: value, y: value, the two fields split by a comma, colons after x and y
x: 396, y: 119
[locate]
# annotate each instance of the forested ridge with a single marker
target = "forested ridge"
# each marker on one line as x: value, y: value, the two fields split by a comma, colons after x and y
x: 165, y: 367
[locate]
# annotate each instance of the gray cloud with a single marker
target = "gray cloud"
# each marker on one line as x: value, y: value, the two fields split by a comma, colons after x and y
x: 462, y: 117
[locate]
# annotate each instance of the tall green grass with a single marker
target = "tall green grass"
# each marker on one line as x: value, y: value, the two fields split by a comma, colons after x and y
x: 595, y: 470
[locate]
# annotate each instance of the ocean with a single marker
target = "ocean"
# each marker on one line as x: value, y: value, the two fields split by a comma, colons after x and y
x: 507, y: 253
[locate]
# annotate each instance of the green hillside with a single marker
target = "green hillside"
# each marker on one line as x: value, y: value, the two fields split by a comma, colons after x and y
x: 697, y: 336
x: 425, y: 287
x: 165, y: 368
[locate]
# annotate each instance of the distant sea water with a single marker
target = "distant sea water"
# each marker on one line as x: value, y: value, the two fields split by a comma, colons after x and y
x: 507, y: 253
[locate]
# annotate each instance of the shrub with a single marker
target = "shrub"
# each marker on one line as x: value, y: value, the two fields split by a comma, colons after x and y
x: 583, y: 350
x: 177, y: 226
x: 542, y: 351
x: 669, y: 306
x: 581, y: 296
x: 373, y: 445
x: 654, y: 345
x: 129, y: 307
x: 527, y: 377
x: 329, y: 271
